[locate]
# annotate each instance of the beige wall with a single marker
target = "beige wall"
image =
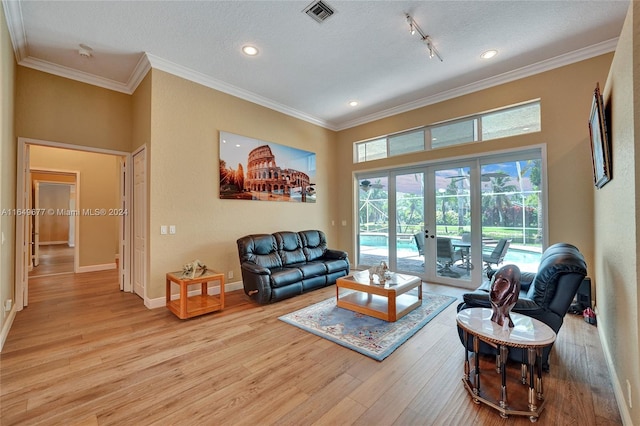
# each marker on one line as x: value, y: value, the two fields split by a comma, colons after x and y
x: 616, y: 218
x: 54, y: 228
x: 180, y: 122
x: 565, y: 96
x: 57, y: 109
x: 186, y: 119
x: 141, y: 114
x: 7, y: 166
x: 98, y: 189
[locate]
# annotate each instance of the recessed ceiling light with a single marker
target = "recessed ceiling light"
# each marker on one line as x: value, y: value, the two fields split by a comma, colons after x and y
x: 250, y: 50
x: 353, y: 103
x: 489, y: 54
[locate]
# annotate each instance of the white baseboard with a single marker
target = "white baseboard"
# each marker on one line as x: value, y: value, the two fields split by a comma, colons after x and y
x: 618, y: 391
x: 7, y: 326
x: 94, y: 268
x: 161, y: 302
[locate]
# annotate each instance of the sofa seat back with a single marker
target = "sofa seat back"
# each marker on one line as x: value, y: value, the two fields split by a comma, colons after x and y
x: 289, y: 246
x: 260, y: 249
x: 561, y: 271
x: 314, y: 243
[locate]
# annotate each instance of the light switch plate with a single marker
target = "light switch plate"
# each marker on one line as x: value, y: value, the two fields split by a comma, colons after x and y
x: 172, y: 229
x: 163, y: 229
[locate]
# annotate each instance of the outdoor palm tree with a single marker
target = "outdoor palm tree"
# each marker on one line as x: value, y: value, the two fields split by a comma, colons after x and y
x: 500, y: 198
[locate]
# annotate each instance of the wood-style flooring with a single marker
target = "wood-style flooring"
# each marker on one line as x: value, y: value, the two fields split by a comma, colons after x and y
x: 84, y: 353
x: 53, y: 259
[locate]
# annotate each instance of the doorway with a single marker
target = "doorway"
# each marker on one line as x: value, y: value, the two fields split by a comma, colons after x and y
x: 419, y: 221
x: 101, y: 210
x: 443, y: 222
x: 53, y: 235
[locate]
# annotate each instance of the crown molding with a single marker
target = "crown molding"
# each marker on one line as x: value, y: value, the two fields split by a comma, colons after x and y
x: 537, y: 68
x: 139, y: 72
x: 200, y: 78
x: 81, y: 76
x: 13, y: 15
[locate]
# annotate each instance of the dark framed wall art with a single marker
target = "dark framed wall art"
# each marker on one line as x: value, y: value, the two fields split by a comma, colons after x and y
x: 600, y: 144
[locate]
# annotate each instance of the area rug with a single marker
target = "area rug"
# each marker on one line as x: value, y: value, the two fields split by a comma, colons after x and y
x: 370, y: 336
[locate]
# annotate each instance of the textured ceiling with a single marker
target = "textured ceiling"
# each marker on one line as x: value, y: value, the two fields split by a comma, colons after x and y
x: 311, y: 70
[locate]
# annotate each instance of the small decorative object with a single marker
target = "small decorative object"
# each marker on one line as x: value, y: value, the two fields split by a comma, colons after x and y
x: 505, y: 289
x: 589, y: 316
x: 382, y: 271
x: 190, y: 270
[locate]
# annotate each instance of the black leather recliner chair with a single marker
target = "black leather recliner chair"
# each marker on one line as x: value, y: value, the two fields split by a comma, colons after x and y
x: 545, y: 295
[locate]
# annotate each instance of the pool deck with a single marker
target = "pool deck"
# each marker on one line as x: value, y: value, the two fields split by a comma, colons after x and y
x: 526, y: 259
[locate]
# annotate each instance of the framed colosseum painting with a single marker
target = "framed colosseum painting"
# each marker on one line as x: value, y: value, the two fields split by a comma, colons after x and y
x: 251, y: 169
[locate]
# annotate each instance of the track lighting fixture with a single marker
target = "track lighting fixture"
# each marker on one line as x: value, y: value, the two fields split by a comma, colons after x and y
x: 413, y: 28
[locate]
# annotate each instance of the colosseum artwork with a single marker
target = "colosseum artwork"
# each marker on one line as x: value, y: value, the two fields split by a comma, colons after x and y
x: 251, y: 169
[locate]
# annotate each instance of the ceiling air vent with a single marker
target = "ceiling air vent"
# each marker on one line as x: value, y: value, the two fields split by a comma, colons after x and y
x: 319, y: 11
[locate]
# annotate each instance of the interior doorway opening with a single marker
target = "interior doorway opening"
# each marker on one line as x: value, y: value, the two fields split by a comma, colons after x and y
x: 96, y: 217
x: 53, y: 245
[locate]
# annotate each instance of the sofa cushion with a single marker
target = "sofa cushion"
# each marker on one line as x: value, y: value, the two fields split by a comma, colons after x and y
x: 312, y: 269
x: 289, y: 248
x: 259, y: 249
x: 281, y: 277
x: 314, y: 243
x: 336, y: 265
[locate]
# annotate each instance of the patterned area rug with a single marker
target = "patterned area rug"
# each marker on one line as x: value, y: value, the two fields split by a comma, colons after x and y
x: 370, y: 336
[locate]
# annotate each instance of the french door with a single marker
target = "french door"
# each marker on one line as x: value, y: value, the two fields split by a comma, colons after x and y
x: 419, y: 221
x: 442, y: 222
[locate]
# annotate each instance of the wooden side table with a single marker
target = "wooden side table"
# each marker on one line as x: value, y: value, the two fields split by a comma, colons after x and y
x: 528, y: 334
x: 203, y: 303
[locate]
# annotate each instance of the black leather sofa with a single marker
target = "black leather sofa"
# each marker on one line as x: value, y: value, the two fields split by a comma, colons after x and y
x: 545, y: 295
x: 285, y: 264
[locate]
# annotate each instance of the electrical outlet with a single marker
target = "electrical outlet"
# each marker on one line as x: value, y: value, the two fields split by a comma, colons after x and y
x: 230, y: 274
x: 163, y: 229
x: 9, y: 302
x: 629, y: 393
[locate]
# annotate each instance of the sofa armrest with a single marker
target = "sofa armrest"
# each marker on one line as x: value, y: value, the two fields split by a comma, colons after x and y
x: 477, y: 299
x: 481, y: 299
x: 335, y: 254
x: 256, y: 281
x: 526, y: 279
x: 255, y: 268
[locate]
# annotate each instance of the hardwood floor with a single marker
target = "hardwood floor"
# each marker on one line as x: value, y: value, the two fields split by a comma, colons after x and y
x: 84, y: 353
x: 54, y: 259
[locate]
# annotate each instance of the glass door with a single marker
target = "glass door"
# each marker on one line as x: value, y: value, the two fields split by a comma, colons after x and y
x: 446, y: 222
x: 419, y: 222
x: 373, y: 220
x: 408, y: 227
x: 451, y: 234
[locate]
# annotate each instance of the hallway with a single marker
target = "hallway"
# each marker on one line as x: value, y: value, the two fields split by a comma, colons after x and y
x: 54, y: 259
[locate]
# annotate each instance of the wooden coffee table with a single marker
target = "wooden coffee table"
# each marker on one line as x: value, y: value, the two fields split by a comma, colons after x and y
x: 388, y: 302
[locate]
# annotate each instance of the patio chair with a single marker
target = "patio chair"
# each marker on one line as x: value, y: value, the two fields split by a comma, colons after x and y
x: 447, y: 256
x: 497, y: 255
x: 419, y: 239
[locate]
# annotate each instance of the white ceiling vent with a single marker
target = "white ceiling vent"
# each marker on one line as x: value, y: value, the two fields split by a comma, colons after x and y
x: 319, y: 10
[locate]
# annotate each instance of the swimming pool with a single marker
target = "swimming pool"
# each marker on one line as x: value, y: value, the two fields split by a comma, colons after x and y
x: 526, y: 260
